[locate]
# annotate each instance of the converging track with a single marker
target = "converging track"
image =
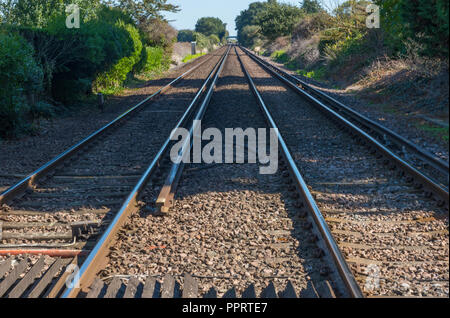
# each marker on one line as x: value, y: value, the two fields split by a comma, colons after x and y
x: 350, y: 211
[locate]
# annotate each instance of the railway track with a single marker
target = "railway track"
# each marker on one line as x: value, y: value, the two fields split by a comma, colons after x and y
x: 393, y: 234
x: 429, y: 170
x: 233, y: 229
x: 63, y: 207
x: 332, y: 222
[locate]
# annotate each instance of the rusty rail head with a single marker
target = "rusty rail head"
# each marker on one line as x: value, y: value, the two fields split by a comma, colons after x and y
x: 98, y: 254
x: 28, y: 181
x: 439, y: 191
x: 343, y: 268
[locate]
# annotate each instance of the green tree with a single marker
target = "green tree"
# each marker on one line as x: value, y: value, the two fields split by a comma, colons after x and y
x: 214, y: 39
x: 250, y: 36
x: 247, y: 23
x: 145, y: 10
x: 38, y: 13
x: 20, y: 78
x: 425, y: 21
x: 157, y: 32
x: 311, y: 6
x: 209, y: 26
x: 279, y: 19
x: 186, y: 36
x: 251, y: 15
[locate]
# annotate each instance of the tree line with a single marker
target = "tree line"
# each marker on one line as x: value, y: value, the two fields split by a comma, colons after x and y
x: 424, y: 21
x: 209, y: 32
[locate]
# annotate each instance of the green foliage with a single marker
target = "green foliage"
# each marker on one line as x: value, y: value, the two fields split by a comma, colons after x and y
x: 279, y: 19
x: 203, y: 41
x: 209, y: 26
x: 38, y: 13
x: 113, y: 15
x: 20, y: 80
x: 347, y: 35
x: 250, y: 36
x: 316, y: 74
x: 313, y: 24
x: 214, y: 39
x: 48, y: 61
x: 186, y: 36
x: 311, y: 6
x: 192, y: 57
x: 94, y: 48
x: 272, y: 18
x: 144, y: 10
x: 154, y: 61
x: 156, y: 32
x: 251, y: 15
x: 423, y: 21
x: 280, y: 56
x: 116, y: 76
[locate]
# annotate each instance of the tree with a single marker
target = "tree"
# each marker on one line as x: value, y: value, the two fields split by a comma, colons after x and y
x: 251, y: 15
x: 157, y: 32
x: 279, y: 19
x: 186, y: 36
x: 250, y: 36
x: 144, y: 10
x: 214, y: 39
x: 423, y: 21
x: 38, y: 13
x: 311, y: 6
x: 209, y: 26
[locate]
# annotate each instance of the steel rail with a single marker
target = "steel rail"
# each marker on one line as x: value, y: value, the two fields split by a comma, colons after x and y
x: 440, y: 192
x: 165, y: 199
x: 31, y: 179
x: 423, y: 154
x: 97, y: 255
x: 343, y: 268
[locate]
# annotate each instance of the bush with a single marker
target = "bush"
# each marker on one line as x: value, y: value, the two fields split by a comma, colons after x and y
x: 158, y: 33
x: 424, y: 21
x: 20, y: 80
x: 92, y: 49
x: 250, y: 36
x: 117, y: 74
x: 279, y: 19
x: 154, y: 60
x: 214, y: 39
x: 204, y: 42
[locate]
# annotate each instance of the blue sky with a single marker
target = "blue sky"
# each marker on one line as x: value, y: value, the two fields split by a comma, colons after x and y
x: 226, y: 10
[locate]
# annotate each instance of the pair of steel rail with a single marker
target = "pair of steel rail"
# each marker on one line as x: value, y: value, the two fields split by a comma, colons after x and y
x: 41, y: 172
x: 351, y: 121
x: 100, y: 250
x: 95, y: 259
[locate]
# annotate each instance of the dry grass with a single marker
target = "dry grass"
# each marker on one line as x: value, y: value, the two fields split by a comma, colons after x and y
x: 412, y: 82
x: 277, y: 45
